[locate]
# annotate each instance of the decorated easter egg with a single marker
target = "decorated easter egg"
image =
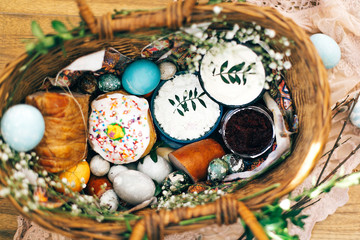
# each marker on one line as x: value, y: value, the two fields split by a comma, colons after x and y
x: 76, y: 177
x: 22, y: 127
x: 109, y: 82
x: 134, y: 187
x: 99, y: 166
x: 158, y: 170
x: 200, y: 187
x: 327, y: 48
x: 176, y: 182
x: 235, y: 162
x: 88, y: 83
x: 355, y: 115
x: 141, y: 77
x: 217, y: 170
x: 115, y: 170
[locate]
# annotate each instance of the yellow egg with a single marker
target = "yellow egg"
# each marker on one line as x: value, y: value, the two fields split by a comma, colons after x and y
x: 76, y: 176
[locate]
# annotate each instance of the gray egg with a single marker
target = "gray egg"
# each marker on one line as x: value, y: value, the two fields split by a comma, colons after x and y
x: 134, y: 187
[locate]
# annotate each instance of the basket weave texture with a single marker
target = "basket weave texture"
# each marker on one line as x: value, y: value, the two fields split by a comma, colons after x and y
x: 307, y: 82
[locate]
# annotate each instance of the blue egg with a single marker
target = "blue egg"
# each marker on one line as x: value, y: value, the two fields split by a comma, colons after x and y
x: 22, y: 127
x: 141, y: 77
x: 327, y: 48
x: 355, y: 115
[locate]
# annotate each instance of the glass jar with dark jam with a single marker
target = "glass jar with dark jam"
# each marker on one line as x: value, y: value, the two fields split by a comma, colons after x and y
x: 248, y: 132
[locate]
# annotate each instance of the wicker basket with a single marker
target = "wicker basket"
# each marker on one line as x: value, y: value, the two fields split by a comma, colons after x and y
x: 307, y: 82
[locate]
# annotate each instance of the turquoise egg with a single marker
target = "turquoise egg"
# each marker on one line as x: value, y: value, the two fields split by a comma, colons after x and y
x: 355, y: 115
x: 109, y: 82
x: 327, y: 48
x: 217, y: 170
x: 141, y: 77
x: 22, y: 127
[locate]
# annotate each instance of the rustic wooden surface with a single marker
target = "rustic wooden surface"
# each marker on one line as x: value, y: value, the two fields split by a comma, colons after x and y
x: 15, y: 19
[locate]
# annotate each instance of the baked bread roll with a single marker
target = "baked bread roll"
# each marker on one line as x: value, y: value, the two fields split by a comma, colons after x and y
x: 121, y: 129
x: 65, y: 140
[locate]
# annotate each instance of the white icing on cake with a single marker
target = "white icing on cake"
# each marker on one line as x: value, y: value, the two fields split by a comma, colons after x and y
x: 118, y: 127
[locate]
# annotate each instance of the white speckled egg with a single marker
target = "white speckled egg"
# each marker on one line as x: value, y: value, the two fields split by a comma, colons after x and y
x: 158, y: 170
x: 134, y: 187
x: 109, y: 200
x: 99, y: 166
x: 167, y: 70
x: 355, y: 115
x: 327, y: 48
x: 115, y: 170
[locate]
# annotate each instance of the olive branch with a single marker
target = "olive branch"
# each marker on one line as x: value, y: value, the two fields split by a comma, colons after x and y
x: 187, y: 96
x: 233, y: 72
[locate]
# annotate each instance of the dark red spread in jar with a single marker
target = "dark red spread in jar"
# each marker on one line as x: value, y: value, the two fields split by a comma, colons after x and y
x: 248, y: 132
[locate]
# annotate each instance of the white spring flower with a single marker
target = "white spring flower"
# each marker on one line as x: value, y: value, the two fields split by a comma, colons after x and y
x: 266, y: 86
x: 256, y: 39
x: 268, y: 78
x: 270, y: 32
x: 257, y: 27
x: 272, y: 53
x: 272, y: 65
x: 83, y: 185
x: 64, y: 180
x: 44, y: 173
x: 288, y: 52
x: 278, y: 56
x: 41, y: 182
x: 201, y: 51
x: 23, y: 163
x: 285, y: 204
x: 7, y: 149
x: 33, y: 154
x: 21, y: 155
x: 193, y: 48
x: 18, y: 175
x: 18, y: 166
x: 73, y: 184
x: 24, y: 192
x: 287, y: 65
x: 4, y: 157
x: 217, y: 10
x: 25, y: 209
x: 249, y: 31
x: 4, y: 192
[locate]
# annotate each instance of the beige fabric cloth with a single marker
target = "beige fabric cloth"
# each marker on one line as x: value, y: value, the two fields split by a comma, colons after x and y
x: 339, y: 19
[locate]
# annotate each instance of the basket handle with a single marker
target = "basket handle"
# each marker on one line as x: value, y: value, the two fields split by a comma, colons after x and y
x: 173, y: 17
x: 227, y: 209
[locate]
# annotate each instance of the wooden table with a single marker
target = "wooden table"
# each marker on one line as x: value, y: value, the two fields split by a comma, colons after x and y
x: 15, y: 20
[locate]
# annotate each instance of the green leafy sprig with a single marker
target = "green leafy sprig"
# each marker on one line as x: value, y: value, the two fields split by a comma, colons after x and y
x: 188, y: 96
x: 233, y: 72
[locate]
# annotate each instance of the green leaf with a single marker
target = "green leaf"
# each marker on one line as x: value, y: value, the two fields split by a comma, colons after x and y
x: 59, y: 26
x: 157, y: 188
x: 237, y: 79
x: 153, y: 156
x: 249, y: 67
x: 177, y: 98
x: 172, y: 102
x: 202, y: 102
x: 224, y: 66
x: 49, y: 41
x: 195, y: 92
x: 66, y: 36
x: 193, y: 105
x: 244, y: 79
x: 185, y: 107
x: 190, y: 93
x: 36, y: 30
x: 180, y: 112
x: 201, y: 94
x: 30, y: 47
x: 232, y: 79
x: 213, y: 72
x: 224, y: 79
x: 237, y: 68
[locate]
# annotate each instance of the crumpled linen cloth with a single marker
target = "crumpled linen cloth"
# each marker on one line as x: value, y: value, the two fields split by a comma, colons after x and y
x: 340, y: 19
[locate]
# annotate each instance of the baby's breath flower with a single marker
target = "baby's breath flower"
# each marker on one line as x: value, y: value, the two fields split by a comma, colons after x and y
x: 287, y: 65
x: 272, y: 65
x: 270, y: 32
x: 288, y: 52
x: 18, y: 166
x: 285, y: 204
x: 25, y: 209
x: 4, y: 192
x: 217, y: 10
x: 4, y: 157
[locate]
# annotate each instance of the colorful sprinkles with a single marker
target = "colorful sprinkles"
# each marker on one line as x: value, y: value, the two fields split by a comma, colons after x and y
x: 118, y: 127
